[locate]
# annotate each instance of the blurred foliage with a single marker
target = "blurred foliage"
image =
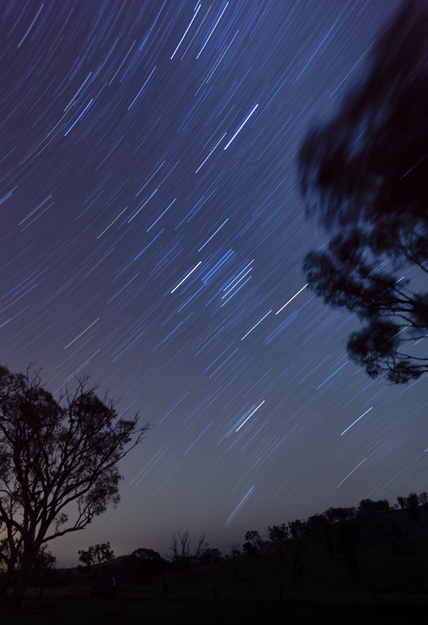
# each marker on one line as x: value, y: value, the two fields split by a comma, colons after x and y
x: 365, y: 173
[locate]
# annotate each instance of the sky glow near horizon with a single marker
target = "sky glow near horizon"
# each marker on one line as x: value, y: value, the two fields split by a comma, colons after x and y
x: 152, y: 223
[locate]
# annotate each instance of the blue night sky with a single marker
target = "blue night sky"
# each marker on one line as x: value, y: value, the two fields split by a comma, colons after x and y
x: 153, y: 234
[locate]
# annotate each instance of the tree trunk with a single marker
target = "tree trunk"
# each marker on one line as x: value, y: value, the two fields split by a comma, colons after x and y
x: 23, y: 576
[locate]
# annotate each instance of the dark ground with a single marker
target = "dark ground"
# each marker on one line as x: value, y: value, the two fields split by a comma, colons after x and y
x: 67, y: 610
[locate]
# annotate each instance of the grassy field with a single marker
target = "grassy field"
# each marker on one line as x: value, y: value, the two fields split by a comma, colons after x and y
x: 214, y: 606
x: 150, y: 611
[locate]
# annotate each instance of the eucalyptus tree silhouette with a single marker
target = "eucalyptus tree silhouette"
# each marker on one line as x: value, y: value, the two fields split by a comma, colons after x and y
x: 365, y: 173
x: 53, y: 453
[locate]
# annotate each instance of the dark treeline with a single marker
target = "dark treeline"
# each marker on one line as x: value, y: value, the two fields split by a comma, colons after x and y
x: 343, y: 548
x: 342, y: 535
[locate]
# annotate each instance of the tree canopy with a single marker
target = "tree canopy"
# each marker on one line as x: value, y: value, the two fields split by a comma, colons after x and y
x: 365, y: 173
x: 53, y: 453
x: 95, y: 555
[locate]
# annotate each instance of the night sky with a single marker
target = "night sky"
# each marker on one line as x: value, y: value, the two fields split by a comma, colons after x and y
x: 153, y: 234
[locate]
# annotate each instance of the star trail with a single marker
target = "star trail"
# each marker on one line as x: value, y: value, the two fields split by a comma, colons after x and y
x: 152, y: 223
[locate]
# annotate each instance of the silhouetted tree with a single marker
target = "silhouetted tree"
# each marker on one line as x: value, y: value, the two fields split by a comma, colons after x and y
x: 234, y: 554
x: 370, y: 508
x: 95, y: 555
x: 54, y: 453
x: 278, y: 533
x: 423, y: 498
x: 296, y: 528
x: 43, y: 568
x: 45, y: 560
x: 335, y: 515
x: 253, y: 543
x: 180, y: 552
x: 402, y: 502
x: 210, y: 555
x: 146, y: 555
x: 366, y: 173
x: 412, y: 506
x: 144, y: 563
x: 291, y: 552
x: 343, y: 545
